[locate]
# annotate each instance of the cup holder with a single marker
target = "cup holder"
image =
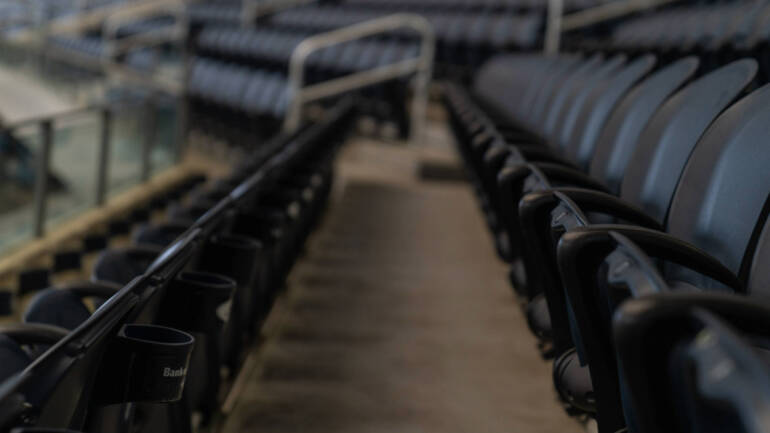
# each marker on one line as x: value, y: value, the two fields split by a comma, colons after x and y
x: 198, y: 302
x: 34, y: 280
x: 145, y: 364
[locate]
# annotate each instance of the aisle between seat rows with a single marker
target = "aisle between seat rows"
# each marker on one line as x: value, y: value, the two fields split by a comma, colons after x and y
x: 397, y: 319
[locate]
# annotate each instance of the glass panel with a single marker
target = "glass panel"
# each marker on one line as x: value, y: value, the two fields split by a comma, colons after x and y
x: 17, y: 188
x: 74, y: 160
x: 163, y: 148
x: 47, y: 87
x: 126, y: 154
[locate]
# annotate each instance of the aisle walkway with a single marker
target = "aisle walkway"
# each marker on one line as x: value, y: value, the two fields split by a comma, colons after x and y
x: 399, y: 319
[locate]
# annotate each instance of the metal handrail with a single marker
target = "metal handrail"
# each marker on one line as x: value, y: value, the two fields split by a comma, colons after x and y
x: 421, y: 66
x: 46, y: 124
x: 112, y: 23
x: 558, y: 23
x: 88, y: 19
x: 251, y: 10
x: 112, y: 68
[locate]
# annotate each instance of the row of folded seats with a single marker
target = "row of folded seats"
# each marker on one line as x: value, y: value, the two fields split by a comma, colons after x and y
x: 95, y: 47
x: 466, y: 5
x: 445, y: 5
x: 630, y: 198
x: 716, y: 33
x: 463, y: 39
x: 239, y: 75
x: 154, y: 338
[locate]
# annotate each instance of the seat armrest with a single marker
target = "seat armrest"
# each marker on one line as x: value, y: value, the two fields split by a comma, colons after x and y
x: 742, y: 312
x: 588, y: 200
x: 581, y: 253
x: 642, y: 244
x: 647, y: 330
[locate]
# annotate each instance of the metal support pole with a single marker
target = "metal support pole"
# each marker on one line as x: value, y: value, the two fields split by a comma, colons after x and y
x: 421, y: 83
x: 41, y: 176
x: 102, y: 169
x: 249, y: 12
x: 553, y: 26
x: 150, y: 125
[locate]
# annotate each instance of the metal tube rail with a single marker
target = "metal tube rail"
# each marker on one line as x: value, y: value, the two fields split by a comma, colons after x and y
x: 606, y: 12
x: 175, y: 33
x: 251, y: 10
x: 153, y: 38
x: 558, y: 23
x: 115, y: 69
x: 46, y: 124
x: 553, y: 26
x: 421, y: 66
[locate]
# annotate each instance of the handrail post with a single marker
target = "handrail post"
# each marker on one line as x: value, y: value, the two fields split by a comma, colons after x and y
x: 421, y: 83
x: 41, y: 177
x: 296, y: 82
x: 553, y: 27
x: 249, y: 12
x: 102, y: 169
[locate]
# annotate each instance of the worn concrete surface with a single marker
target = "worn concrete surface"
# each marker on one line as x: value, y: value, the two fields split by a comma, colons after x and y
x: 399, y: 318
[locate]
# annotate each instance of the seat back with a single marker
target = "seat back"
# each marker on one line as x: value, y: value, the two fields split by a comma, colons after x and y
x: 504, y: 81
x: 539, y: 107
x: 619, y: 137
x: 561, y: 94
x: 578, y: 98
x: 600, y: 103
x: 724, y: 188
x: 672, y: 133
x: 548, y: 67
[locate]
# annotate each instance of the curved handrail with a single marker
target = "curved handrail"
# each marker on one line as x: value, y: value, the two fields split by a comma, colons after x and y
x: 421, y: 66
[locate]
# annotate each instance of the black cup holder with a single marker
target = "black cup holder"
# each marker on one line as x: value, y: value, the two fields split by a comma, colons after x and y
x: 159, y: 202
x: 67, y: 261
x: 6, y: 302
x: 144, y: 364
x: 198, y: 302
x: 33, y: 280
x: 140, y: 215
x: 119, y: 228
x: 94, y: 243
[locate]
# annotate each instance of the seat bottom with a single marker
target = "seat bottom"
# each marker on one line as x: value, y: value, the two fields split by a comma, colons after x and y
x: 573, y: 382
